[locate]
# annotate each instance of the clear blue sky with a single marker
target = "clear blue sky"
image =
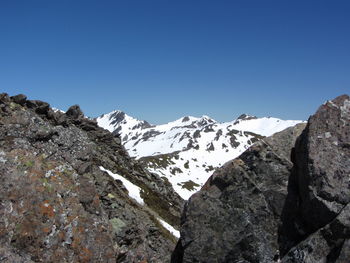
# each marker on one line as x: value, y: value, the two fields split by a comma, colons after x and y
x: 159, y: 59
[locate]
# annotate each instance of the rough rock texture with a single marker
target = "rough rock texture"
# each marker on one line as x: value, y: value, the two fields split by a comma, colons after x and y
x: 56, y: 205
x: 261, y: 207
x: 235, y: 215
x: 319, y: 188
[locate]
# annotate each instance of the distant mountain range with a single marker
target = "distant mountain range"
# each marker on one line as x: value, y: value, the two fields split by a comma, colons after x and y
x: 188, y: 150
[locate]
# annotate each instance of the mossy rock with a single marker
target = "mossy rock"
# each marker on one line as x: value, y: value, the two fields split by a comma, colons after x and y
x: 117, y: 224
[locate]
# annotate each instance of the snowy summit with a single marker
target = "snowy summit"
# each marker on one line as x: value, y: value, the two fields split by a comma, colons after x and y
x: 187, y: 151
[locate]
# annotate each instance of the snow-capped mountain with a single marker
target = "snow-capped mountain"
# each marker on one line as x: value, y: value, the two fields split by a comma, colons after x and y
x: 187, y: 151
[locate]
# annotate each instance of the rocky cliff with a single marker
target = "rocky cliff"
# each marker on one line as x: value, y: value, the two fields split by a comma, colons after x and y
x: 58, y: 200
x: 286, y: 199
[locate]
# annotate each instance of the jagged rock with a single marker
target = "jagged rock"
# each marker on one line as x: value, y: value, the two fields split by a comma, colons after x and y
x: 57, y: 205
x: 319, y: 185
x: 19, y: 99
x: 186, y: 118
x: 328, y: 244
x: 244, y: 117
x: 4, y: 98
x: 235, y: 216
x: 322, y: 163
x: 40, y: 107
x: 248, y: 212
x: 283, y: 142
x: 74, y: 112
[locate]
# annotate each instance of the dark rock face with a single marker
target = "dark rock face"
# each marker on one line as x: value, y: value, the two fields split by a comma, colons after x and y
x: 235, y: 215
x: 184, y: 119
x: 244, y: 117
x: 57, y: 205
x: 20, y: 99
x: 261, y: 207
x: 322, y: 162
x: 75, y: 112
x: 319, y: 189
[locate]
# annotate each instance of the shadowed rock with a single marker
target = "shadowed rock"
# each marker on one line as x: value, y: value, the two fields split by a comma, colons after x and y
x: 234, y: 217
x: 319, y: 189
x: 276, y: 202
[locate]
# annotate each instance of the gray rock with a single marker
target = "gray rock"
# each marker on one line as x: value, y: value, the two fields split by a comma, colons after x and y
x: 19, y: 99
x: 74, y: 112
x: 39, y: 106
x: 319, y: 185
x: 235, y: 216
x: 277, y: 202
x: 56, y: 205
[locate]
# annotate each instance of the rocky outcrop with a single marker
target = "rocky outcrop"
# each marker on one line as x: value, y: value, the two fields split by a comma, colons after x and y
x: 57, y: 205
x: 234, y: 217
x: 265, y: 207
x: 316, y: 210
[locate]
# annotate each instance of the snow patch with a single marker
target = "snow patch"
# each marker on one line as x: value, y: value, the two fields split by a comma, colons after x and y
x: 134, y: 191
x: 171, y: 229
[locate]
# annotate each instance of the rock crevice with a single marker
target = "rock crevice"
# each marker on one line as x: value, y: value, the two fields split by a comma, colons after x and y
x: 285, y: 199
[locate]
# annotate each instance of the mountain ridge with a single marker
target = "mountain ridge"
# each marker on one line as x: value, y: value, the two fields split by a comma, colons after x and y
x: 70, y: 192
x: 187, y: 150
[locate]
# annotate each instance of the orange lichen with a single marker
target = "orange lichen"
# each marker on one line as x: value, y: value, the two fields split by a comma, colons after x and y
x: 46, y: 229
x: 96, y: 201
x: 47, y: 209
x: 85, y: 255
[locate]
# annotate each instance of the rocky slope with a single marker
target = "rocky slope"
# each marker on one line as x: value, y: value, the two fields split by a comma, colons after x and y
x: 188, y: 150
x: 59, y: 199
x: 266, y: 207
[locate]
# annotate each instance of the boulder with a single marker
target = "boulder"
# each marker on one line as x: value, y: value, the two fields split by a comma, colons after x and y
x: 75, y: 112
x: 286, y: 199
x: 319, y: 188
x: 234, y: 217
x: 19, y: 99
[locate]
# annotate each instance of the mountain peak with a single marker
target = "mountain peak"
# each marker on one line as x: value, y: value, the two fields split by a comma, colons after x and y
x: 244, y: 117
x: 117, y: 119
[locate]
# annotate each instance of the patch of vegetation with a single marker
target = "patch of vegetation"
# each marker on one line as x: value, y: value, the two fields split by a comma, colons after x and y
x: 175, y: 170
x: 159, y: 205
x: 189, y: 185
x: 209, y: 168
x: 186, y: 165
x: 256, y: 136
x: 165, y: 179
x: 165, y: 232
x: 233, y: 142
x: 117, y: 224
x: 158, y: 161
x: 29, y: 164
x: 232, y: 132
x: 15, y: 106
x: 25, y: 164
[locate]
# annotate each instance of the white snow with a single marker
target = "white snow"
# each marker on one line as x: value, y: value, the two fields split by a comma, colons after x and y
x: 134, y: 191
x: 58, y: 110
x: 172, y: 230
x: 265, y: 126
x: 190, y: 140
